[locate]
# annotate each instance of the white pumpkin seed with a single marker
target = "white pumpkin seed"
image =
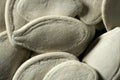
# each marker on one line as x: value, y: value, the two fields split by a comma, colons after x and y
x: 71, y: 70
x: 104, y: 54
x: 111, y: 13
x: 37, y: 67
x: 54, y: 33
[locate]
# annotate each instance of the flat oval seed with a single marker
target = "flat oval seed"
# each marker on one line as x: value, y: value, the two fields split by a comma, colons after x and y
x: 37, y: 67
x: 32, y: 9
x: 111, y: 13
x: 71, y: 70
x: 54, y: 33
x: 104, y: 54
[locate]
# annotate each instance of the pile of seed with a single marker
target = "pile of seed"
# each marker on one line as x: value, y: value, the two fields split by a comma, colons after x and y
x: 59, y: 40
